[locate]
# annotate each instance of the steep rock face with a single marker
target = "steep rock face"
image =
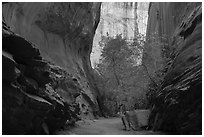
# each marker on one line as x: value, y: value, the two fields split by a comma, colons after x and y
x: 39, y: 96
x: 177, y: 106
x: 63, y: 33
x: 164, y: 17
x: 33, y: 100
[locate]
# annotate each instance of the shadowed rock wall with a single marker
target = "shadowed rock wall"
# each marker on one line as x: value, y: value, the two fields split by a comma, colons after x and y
x: 62, y: 34
x: 177, y: 106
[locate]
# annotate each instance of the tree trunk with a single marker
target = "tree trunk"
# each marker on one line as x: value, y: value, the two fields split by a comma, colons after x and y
x: 149, y: 74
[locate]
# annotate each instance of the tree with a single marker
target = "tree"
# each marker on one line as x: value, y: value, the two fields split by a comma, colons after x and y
x: 124, y: 80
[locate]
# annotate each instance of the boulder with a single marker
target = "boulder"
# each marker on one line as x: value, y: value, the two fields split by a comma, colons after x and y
x: 137, y: 118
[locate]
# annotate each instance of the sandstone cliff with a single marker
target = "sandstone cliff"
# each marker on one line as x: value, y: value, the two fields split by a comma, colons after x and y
x: 58, y: 34
x: 177, y: 106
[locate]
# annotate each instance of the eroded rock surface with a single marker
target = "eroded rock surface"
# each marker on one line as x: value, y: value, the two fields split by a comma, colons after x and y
x: 177, y: 107
x: 46, y: 66
x: 34, y: 102
x: 63, y: 33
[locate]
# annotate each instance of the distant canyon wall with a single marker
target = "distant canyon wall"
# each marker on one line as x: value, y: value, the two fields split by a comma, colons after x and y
x: 125, y: 18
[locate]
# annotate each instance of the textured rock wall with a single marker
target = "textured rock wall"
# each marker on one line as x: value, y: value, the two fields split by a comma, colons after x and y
x: 63, y: 32
x: 38, y: 95
x: 164, y: 17
x: 177, y: 106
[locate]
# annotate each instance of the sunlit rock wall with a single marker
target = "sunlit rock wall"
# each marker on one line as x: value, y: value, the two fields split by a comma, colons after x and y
x: 118, y: 18
x: 177, y: 106
x: 125, y: 18
x: 63, y: 32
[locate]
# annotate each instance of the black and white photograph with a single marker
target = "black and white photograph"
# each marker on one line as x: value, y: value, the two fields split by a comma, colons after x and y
x: 101, y: 68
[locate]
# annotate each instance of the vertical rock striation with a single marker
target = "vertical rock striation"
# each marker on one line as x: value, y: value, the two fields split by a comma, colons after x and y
x: 125, y: 18
x: 177, y: 105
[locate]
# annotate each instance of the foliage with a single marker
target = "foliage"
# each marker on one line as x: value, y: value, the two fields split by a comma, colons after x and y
x: 177, y: 107
x: 120, y: 75
x: 155, y: 61
x: 131, y: 72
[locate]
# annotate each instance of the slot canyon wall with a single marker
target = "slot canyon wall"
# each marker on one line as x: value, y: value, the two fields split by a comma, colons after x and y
x: 177, y: 105
x: 46, y: 65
